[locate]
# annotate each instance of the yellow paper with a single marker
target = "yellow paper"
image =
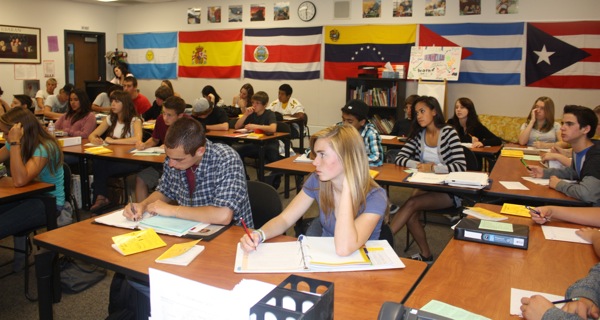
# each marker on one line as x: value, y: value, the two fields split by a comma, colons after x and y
x: 138, y: 241
x: 177, y: 250
x: 373, y: 173
x: 98, y: 150
x: 511, y: 153
x: 486, y: 212
x: 515, y: 210
x: 256, y: 135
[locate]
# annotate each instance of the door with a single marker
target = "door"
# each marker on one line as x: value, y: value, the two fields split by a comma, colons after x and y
x: 84, y: 57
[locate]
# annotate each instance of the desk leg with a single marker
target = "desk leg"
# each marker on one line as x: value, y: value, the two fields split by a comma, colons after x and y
x: 85, y: 182
x: 48, y: 282
x: 301, y: 126
x: 261, y: 163
x: 286, y: 183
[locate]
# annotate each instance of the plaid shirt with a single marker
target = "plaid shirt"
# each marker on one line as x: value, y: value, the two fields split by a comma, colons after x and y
x: 372, y: 144
x: 220, y: 182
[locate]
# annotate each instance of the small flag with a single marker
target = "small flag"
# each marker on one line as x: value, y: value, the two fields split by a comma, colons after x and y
x: 210, y: 54
x: 348, y: 47
x: 563, y: 55
x: 283, y: 53
x: 492, y: 52
x: 152, y: 55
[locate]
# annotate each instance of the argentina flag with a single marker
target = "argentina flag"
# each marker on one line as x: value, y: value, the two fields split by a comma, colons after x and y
x: 492, y: 53
x: 152, y: 55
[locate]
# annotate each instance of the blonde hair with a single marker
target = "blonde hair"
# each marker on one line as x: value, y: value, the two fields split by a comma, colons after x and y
x: 548, y: 111
x: 349, y: 146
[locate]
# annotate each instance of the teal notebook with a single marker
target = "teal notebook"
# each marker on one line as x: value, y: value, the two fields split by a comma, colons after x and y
x: 168, y: 225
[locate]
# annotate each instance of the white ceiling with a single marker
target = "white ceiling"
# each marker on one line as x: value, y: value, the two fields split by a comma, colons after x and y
x: 122, y: 3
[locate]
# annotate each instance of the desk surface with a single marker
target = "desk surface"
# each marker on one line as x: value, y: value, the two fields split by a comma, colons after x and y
x: 356, y: 293
x: 230, y: 134
x: 478, y: 277
x: 9, y: 193
x: 511, y: 169
x: 120, y: 152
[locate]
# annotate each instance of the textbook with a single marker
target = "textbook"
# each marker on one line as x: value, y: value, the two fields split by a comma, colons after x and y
x: 493, y: 232
x: 165, y: 225
x: 476, y: 180
x: 315, y: 254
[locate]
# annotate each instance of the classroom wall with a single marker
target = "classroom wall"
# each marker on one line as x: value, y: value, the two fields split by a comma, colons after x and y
x: 322, y: 98
x: 53, y: 18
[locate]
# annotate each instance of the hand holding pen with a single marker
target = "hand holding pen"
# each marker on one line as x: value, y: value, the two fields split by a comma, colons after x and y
x: 131, y: 212
x: 540, y: 215
x: 250, y: 240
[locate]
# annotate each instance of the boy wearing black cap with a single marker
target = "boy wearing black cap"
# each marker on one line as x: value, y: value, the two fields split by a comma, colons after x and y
x: 355, y: 113
x: 210, y: 117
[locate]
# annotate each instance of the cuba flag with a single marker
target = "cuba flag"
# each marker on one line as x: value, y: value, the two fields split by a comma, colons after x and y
x: 152, y: 55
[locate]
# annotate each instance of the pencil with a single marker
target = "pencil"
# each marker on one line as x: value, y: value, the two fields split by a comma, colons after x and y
x: 246, y: 229
x: 525, y: 164
x: 565, y: 300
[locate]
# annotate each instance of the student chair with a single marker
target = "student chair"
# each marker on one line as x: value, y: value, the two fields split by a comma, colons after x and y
x: 264, y: 202
x: 68, y: 193
x: 453, y: 214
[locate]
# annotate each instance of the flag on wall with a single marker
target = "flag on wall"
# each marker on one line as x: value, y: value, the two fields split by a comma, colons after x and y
x: 210, y: 54
x: 347, y: 47
x: 492, y: 52
x: 563, y: 55
x: 152, y: 55
x: 283, y: 53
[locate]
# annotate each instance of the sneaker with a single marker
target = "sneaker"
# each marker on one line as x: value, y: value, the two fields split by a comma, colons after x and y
x: 419, y: 257
x: 394, y: 208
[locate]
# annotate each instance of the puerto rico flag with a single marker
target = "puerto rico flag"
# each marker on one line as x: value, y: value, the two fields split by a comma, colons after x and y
x: 283, y: 53
x: 492, y: 53
x: 210, y: 54
x: 563, y: 55
x: 152, y: 55
x: 348, y: 47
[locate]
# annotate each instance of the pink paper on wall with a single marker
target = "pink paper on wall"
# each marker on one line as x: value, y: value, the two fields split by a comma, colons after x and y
x: 52, y: 43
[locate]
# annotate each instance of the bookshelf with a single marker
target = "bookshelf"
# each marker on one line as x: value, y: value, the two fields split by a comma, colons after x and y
x: 384, y: 97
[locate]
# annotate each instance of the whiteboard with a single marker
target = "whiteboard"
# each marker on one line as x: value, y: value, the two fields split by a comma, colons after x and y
x: 434, y: 63
x: 434, y: 89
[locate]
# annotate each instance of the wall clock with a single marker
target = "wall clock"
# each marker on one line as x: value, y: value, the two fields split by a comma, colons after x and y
x: 307, y: 11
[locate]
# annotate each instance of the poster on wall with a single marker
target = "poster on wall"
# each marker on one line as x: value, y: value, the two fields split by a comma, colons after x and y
x: 213, y: 14
x: 20, y: 44
x: 469, y: 7
x: 434, y: 63
x: 193, y: 15
x: 257, y: 12
x: 507, y: 6
x: 402, y: 8
x: 235, y: 13
x: 371, y: 8
x: 281, y: 11
x: 435, y: 8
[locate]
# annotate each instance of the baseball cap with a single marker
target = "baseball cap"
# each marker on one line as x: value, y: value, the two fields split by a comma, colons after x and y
x: 200, y: 105
x: 357, y: 108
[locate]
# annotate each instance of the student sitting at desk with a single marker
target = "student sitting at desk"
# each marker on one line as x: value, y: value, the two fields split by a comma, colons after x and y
x: 173, y: 109
x: 23, y: 101
x: 355, y: 113
x: 205, y: 179
x: 540, y: 130
x: 589, y: 216
x: 210, y: 94
x: 244, y: 99
x: 79, y: 121
x: 402, y: 126
x: 56, y: 105
x: 579, y: 126
x: 43, y: 94
x: 432, y: 146
x: 469, y: 128
x: 586, y: 290
x: 121, y: 126
x: 210, y: 117
x: 161, y: 94
x: 286, y: 105
x: 33, y: 154
x: 351, y: 204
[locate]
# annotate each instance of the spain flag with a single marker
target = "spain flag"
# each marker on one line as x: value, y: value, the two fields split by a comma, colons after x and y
x: 210, y: 54
x: 347, y: 47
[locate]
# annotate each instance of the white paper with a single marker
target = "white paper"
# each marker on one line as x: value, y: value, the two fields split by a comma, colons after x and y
x: 387, y: 137
x: 303, y: 158
x: 562, y: 234
x: 429, y: 178
x: 517, y: 294
x: 467, y: 144
x: 174, y: 297
x: 185, y: 258
x: 540, y: 181
x: 149, y: 150
x: 450, y: 311
x: 513, y: 185
x: 482, y: 216
x: 532, y: 157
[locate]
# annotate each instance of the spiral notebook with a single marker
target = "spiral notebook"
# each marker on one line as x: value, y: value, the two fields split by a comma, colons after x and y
x: 315, y: 254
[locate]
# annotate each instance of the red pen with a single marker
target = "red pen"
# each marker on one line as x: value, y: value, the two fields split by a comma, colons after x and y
x: 247, y: 230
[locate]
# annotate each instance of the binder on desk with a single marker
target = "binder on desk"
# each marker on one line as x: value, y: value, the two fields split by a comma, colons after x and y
x: 315, y: 254
x: 492, y: 232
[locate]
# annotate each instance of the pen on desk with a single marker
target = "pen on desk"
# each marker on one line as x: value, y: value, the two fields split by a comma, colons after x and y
x: 525, y: 164
x: 565, y: 300
x: 247, y: 230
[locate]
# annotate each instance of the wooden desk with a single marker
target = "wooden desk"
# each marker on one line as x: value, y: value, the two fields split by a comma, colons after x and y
x: 356, y: 293
x: 511, y: 169
x: 230, y: 135
x: 478, y: 277
x: 10, y: 193
x: 120, y: 153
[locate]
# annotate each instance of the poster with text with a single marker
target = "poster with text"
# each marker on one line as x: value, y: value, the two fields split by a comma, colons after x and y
x: 434, y: 63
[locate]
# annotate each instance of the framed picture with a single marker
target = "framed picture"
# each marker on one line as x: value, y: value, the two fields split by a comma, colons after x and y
x: 20, y: 44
